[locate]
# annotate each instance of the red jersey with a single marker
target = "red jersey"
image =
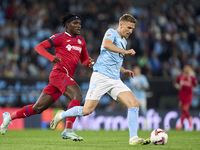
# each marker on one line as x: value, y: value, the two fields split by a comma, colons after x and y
x: 70, y: 50
x: 186, y: 82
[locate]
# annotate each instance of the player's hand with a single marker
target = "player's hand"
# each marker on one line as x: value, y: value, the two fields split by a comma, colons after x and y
x: 130, y: 52
x: 57, y: 59
x: 91, y: 62
x: 178, y: 86
x: 128, y: 73
x: 194, y: 89
x: 137, y: 87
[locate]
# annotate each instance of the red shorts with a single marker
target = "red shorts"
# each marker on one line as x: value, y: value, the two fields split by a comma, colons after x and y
x: 186, y: 101
x: 58, y: 80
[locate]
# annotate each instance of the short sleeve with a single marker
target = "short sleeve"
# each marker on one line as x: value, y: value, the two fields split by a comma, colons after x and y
x: 110, y: 35
x: 55, y: 39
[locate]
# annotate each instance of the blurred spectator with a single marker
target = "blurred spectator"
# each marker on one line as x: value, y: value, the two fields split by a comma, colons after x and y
x: 162, y: 28
x: 155, y: 63
x: 139, y: 84
x: 174, y: 60
x: 143, y: 59
x: 164, y: 71
x: 193, y: 62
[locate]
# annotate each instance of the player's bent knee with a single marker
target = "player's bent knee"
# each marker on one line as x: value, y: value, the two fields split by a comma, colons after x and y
x: 134, y: 103
x: 86, y: 112
x: 38, y: 110
x: 78, y: 98
x: 137, y: 104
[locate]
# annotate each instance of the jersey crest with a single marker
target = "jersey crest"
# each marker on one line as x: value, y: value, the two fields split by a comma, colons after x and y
x: 79, y: 41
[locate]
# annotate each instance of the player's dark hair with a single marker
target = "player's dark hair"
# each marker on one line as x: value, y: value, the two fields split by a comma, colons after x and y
x: 68, y: 18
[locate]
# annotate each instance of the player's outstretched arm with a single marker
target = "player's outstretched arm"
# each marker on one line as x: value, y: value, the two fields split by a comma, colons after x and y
x: 108, y: 44
x: 41, y: 49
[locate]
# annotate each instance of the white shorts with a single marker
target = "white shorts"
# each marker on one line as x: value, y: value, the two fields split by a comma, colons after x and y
x: 101, y: 84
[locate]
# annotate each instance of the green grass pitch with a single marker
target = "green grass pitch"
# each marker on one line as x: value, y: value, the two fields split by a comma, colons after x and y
x: 37, y: 139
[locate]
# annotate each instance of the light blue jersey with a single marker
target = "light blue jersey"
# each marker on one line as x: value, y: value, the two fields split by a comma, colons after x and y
x: 140, y: 81
x: 108, y: 62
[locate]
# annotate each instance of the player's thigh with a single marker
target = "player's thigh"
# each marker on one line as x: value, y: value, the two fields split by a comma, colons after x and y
x: 73, y: 92
x: 180, y: 103
x: 99, y: 85
x: 89, y: 106
x: 186, y: 103
x: 128, y: 99
x: 186, y: 106
x: 66, y: 85
x: 123, y: 94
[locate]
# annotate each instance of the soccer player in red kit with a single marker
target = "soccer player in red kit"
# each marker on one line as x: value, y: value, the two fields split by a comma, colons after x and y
x: 69, y: 49
x: 186, y: 84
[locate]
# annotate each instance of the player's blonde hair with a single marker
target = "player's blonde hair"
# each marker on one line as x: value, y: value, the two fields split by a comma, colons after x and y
x: 127, y: 17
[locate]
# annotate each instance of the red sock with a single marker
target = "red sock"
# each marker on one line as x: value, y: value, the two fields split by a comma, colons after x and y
x: 70, y: 120
x: 26, y: 111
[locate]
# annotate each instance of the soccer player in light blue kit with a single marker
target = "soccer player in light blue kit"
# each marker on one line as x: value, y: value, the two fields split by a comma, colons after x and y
x: 139, y: 84
x: 106, y: 79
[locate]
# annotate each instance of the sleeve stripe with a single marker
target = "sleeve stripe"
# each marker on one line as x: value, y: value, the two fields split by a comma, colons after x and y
x: 50, y: 41
x: 57, y: 36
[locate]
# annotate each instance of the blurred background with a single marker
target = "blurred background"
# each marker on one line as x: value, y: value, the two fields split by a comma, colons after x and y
x: 166, y: 37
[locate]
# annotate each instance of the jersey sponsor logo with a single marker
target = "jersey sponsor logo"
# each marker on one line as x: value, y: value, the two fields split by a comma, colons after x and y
x: 121, y: 55
x: 108, y: 35
x: 69, y: 48
x: 68, y: 40
x: 79, y: 41
x: 186, y: 83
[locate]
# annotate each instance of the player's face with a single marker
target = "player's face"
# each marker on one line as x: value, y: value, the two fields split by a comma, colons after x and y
x: 127, y: 28
x: 187, y: 70
x: 74, y: 27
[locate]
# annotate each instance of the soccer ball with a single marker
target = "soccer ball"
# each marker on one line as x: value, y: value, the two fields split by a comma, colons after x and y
x: 159, y: 137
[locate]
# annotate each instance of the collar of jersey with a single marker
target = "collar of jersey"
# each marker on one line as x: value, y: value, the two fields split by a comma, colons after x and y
x: 68, y: 33
x: 119, y: 35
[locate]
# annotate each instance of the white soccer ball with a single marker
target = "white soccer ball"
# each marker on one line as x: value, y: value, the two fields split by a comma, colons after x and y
x: 159, y: 137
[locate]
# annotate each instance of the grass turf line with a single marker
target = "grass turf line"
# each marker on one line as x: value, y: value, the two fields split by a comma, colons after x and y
x: 37, y: 139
